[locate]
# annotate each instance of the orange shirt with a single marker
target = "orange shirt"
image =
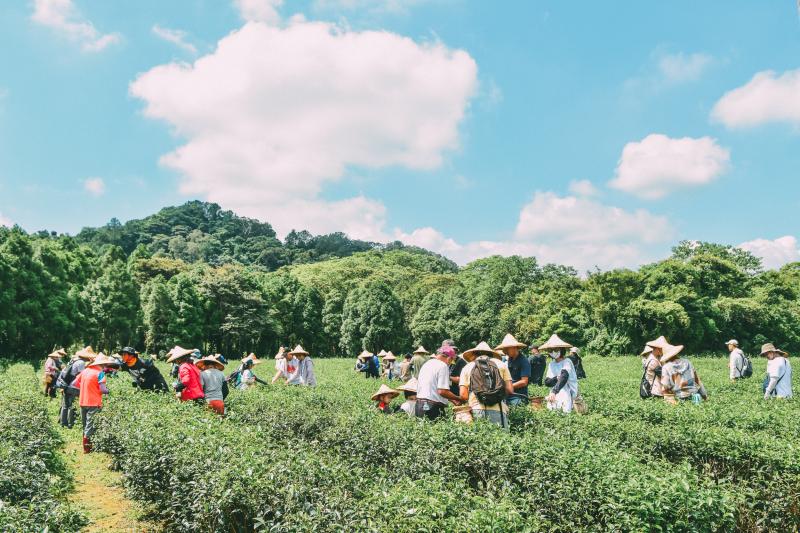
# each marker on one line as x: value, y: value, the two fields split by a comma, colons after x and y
x: 89, y: 383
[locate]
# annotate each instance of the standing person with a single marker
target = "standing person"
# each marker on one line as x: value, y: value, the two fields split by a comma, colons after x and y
x: 92, y: 386
x: 561, y: 376
x: 247, y: 377
x: 212, y: 379
x: 405, y: 368
x: 455, y: 368
x: 577, y: 362
x: 374, y: 366
x: 679, y: 379
x: 538, y: 365
x: 520, y: 369
x: 778, y: 383
x: 52, y: 367
x: 419, y: 359
x: 188, y: 386
x: 144, y: 372
x: 485, y: 384
x: 65, y: 379
x: 410, y: 394
x: 433, y: 385
x: 304, y: 375
x: 736, y: 361
x: 388, y: 366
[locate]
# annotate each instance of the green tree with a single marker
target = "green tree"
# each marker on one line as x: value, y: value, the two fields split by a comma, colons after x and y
x: 157, y: 315
x: 373, y: 319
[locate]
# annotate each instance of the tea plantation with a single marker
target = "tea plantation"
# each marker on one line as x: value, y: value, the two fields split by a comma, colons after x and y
x: 297, y: 459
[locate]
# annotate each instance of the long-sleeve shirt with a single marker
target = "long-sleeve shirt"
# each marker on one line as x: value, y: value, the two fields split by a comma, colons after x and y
x: 553, y: 371
x: 736, y: 363
x: 679, y: 380
x: 212, y: 379
x: 304, y: 375
x: 189, y: 376
x: 652, y: 364
x: 92, y: 384
x: 50, y: 367
x: 779, y: 371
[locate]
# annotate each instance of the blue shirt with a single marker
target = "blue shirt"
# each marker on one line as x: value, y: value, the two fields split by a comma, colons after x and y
x: 520, y: 367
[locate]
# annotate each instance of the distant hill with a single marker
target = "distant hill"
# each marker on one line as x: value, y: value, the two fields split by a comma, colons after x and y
x: 203, y: 232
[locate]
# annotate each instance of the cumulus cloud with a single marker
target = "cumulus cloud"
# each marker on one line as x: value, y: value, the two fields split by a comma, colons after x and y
x: 94, y: 186
x: 259, y: 10
x: 658, y: 165
x: 681, y: 68
x: 582, y: 188
x: 767, y: 97
x: 774, y: 253
x: 176, y: 37
x: 63, y: 17
x: 562, y: 229
x: 276, y: 113
x: 5, y: 221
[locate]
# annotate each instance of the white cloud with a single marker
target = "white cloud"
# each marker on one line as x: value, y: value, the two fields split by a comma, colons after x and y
x: 765, y: 98
x: 274, y: 114
x: 657, y: 165
x: 375, y: 6
x: 582, y: 188
x: 63, y: 16
x: 176, y: 37
x: 565, y: 230
x: 259, y: 10
x: 681, y: 68
x: 94, y: 186
x: 774, y: 253
x: 5, y: 221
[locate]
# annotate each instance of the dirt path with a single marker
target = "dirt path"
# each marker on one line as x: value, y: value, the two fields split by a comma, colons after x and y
x: 98, y: 490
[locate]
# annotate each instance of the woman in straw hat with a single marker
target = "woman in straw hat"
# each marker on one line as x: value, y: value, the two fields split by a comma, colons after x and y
x: 212, y: 379
x: 778, y: 382
x: 651, y: 367
x: 247, y: 377
x: 67, y: 376
x: 304, y: 375
x: 285, y: 367
x: 410, y: 394
x: 561, y: 376
x: 188, y: 386
x: 679, y: 379
x: 91, y: 384
x: 52, y: 367
x: 485, y: 372
x: 519, y: 367
x: 383, y: 399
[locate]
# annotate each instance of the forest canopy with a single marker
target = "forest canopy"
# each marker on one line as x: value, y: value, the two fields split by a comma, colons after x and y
x: 199, y: 276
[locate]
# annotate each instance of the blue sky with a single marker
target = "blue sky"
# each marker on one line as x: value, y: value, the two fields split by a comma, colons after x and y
x: 586, y: 134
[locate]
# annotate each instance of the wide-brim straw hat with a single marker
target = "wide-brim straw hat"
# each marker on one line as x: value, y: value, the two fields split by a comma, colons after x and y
x: 670, y: 352
x: 177, y: 352
x: 421, y: 351
x: 58, y: 354
x: 211, y: 361
x: 409, y: 386
x: 555, y: 343
x: 87, y: 354
x: 482, y: 348
x: 298, y: 350
x: 390, y: 357
x: 510, y: 342
x: 103, y: 360
x: 769, y: 347
x: 382, y: 353
x: 365, y: 354
x: 385, y: 390
x: 660, y: 342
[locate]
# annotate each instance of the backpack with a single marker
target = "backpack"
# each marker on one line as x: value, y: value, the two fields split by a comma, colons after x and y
x: 486, y: 382
x: 65, y: 377
x: 646, y: 387
x: 234, y: 378
x: 747, y: 367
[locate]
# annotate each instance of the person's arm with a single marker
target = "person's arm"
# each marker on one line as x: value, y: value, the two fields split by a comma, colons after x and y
x: 101, y: 380
x: 667, y: 387
x: 650, y: 371
x: 773, y: 382
x: 259, y: 380
x: 732, y: 365
x: 443, y: 386
x: 701, y: 389
x: 463, y: 391
x: 510, y: 387
x: 563, y: 378
x: 521, y: 384
x: 183, y: 378
x: 445, y: 393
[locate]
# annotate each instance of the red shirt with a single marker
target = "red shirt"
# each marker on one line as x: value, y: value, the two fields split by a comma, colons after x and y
x: 189, y: 375
x: 89, y: 382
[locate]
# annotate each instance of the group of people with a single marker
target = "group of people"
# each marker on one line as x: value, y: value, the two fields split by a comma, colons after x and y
x: 197, y: 378
x: 481, y: 382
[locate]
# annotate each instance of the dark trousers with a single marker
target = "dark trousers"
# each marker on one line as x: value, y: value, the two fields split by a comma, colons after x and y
x: 428, y: 409
x: 68, y: 412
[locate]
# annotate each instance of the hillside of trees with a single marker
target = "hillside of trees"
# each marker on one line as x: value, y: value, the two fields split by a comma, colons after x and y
x: 198, y: 276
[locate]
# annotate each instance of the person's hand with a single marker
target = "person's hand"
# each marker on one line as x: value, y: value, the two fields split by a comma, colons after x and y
x: 766, y: 396
x: 177, y: 395
x: 551, y: 397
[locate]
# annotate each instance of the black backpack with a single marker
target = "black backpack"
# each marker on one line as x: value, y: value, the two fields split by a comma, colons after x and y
x: 646, y: 387
x: 486, y: 383
x: 747, y: 367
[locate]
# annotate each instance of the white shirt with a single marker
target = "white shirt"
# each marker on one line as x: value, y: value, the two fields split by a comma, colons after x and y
x: 434, y: 375
x: 408, y: 406
x: 555, y: 368
x: 780, y: 369
x: 736, y: 363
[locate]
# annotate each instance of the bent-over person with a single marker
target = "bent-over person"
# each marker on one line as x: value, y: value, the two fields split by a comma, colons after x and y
x: 679, y: 379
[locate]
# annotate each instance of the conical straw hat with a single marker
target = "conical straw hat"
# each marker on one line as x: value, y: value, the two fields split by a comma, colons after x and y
x: 58, y: 354
x: 212, y: 361
x: 510, y: 342
x: 660, y: 342
x: 87, y: 354
x: 555, y: 343
x: 482, y: 348
x: 670, y: 352
x: 177, y: 352
x: 409, y: 386
x: 298, y: 349
x: 381, y: 353
x: 421, y: 350
x: 390, y: 357
x: 385, y: 390
x: 647, y: 350
x: 103, y: 360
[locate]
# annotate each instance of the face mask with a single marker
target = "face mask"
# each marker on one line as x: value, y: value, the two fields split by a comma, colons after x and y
x: 554, y: 355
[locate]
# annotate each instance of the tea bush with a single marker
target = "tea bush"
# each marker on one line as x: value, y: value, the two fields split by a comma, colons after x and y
x: 33, y: 478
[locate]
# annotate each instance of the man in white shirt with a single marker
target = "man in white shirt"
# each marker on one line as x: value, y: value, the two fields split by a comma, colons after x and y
x: 433, y: 385
x: 736, y: 360
x: 779, y: 373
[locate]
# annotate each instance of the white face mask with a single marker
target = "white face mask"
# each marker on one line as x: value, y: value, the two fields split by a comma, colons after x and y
x: 555, y: 355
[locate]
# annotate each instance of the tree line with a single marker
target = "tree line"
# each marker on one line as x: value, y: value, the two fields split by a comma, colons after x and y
x: 60, y: 290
